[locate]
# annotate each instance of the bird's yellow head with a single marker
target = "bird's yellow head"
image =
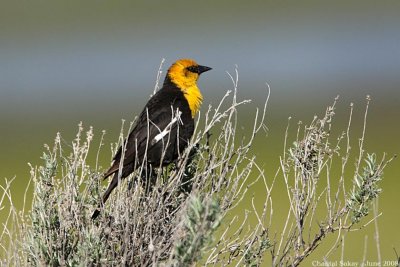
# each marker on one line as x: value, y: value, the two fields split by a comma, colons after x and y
x: 184, y: 73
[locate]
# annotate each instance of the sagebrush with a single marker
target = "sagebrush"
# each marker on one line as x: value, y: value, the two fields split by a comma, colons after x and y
x: 191, y: 214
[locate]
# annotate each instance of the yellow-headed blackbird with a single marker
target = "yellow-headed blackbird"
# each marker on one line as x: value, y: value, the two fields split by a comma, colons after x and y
x: 164, y: 127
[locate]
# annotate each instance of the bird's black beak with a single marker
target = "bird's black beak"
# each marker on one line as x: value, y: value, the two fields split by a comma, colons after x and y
x: 202, y: 69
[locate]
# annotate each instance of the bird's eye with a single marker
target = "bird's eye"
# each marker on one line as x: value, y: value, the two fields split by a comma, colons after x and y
x: 193, y: 69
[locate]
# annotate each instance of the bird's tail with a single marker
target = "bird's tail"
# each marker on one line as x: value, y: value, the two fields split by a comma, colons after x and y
x: 106, y: 195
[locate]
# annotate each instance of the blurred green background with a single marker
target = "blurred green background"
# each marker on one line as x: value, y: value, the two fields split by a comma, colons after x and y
x: 62, y: 62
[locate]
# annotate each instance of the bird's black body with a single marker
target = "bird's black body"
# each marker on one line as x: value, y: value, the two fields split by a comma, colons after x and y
x: 160, y: 135
x: 157, y: 114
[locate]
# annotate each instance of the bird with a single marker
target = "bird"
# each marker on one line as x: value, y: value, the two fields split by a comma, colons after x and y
x: 164, y: 127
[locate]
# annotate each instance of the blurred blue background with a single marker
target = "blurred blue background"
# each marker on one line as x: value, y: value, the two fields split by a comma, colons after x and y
x: 62, y: 62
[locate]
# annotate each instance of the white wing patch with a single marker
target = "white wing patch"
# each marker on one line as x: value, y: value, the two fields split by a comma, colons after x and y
x: 167, y: 129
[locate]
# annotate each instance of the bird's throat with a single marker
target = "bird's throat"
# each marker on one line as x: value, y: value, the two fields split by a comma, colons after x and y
x: 194, y: 98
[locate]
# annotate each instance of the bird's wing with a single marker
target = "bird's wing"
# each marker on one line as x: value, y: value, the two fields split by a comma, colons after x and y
x: 156, y: 122
x: 155, y: 126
